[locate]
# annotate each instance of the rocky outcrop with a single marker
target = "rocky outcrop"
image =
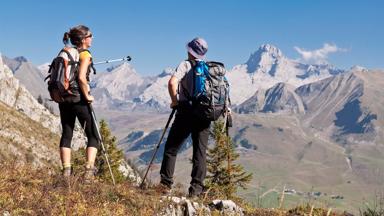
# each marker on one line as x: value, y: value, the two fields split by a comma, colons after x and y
x: 32, y: 78
x: 131, y: 174
x: 16, y: 96
x: 181, y: 206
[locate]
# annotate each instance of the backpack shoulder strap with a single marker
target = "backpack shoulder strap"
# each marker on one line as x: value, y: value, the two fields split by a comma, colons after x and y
x: 186, y: 93
x: 91, y: 66
x: 192, y: 62
x: 71, y: 59
x: 84, y: 50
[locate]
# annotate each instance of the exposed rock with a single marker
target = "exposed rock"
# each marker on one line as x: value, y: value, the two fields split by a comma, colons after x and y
x: 185, y: 207
x: 130, y: 173
x: 15, y: 95
x: 227, y: 207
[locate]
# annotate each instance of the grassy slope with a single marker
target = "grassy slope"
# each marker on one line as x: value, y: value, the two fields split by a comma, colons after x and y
x: 28, y: 191
x: 321, y: 167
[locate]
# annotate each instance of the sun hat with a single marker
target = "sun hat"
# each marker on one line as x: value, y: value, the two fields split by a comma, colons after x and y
x: 197, y: 47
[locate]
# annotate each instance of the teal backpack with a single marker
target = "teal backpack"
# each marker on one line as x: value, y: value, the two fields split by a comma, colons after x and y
x: 210, y: 96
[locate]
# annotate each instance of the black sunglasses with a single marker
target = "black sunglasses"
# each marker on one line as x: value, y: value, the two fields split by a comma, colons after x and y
x: 90, y: 35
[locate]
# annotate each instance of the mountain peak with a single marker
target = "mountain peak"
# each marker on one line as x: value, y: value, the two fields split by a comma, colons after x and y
x: 21, y: 59
x: 123, y: 68
x: 358, y: 68
x: 124, y: 65
x: 271, y: 50
x: 265, y: 56
x: 166, y: 72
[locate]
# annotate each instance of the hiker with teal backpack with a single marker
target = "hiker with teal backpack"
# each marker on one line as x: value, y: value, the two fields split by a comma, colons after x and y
x: 199, y: 92
x: 68, y: 86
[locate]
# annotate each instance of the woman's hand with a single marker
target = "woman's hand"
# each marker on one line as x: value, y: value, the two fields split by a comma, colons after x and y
x: 90, y: 98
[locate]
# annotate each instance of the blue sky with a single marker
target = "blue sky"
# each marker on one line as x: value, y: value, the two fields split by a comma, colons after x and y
x: 154, y: 33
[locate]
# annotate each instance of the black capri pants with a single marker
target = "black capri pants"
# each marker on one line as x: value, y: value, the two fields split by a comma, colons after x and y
x: 68, y: 114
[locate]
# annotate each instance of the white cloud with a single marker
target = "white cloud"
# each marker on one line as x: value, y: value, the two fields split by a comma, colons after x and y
x: 318, y: 56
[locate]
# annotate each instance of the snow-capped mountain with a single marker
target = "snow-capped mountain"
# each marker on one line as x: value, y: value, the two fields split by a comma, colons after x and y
x: 123, y: 88
x: 119, y: 88
x: 267, y: 67
x: 158, y: 89
x: 44, y: 68
x: 122, y: 83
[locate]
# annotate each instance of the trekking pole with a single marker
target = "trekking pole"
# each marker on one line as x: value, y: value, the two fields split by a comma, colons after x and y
x: 101, y: 142
x: 225, y: 122
x: 128, y: 58
x: 157, y: 147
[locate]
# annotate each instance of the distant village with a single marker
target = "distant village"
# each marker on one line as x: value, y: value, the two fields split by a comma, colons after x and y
x: 312, y: 194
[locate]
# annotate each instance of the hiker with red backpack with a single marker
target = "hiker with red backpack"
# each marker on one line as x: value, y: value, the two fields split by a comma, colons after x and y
x: 199, y: 92
x: 68, y: 85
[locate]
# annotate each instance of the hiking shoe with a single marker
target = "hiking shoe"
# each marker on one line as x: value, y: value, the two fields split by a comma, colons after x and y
x: 67, y: 172
x: 196, y: 192
x: 163, y: 189
x: 194, y: 196
x: 89, y: 175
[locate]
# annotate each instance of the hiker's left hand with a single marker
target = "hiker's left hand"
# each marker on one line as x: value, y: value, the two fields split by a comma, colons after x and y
x: 174, y: 104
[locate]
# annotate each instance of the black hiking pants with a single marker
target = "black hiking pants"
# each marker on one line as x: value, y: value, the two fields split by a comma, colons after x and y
x: 184, y: 125
x: 68, y: 114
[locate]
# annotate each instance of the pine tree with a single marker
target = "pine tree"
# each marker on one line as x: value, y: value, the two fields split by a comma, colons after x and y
x: 224, y: 176
x: 115, y: 156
